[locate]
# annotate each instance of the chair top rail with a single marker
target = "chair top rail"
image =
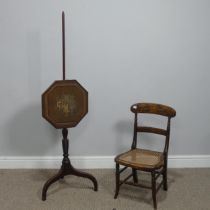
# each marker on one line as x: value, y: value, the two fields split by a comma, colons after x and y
x: 152, y: 108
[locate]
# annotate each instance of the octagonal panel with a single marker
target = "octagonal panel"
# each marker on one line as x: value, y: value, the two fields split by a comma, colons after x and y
x: 64, y: 103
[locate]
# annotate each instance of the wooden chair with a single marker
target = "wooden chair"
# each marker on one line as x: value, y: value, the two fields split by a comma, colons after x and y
x: 139, y: 159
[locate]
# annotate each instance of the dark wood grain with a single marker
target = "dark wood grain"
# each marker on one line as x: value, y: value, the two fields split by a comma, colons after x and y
x: 152, y: 108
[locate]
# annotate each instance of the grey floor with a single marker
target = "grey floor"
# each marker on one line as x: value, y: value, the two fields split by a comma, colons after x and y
x: 21, y: 190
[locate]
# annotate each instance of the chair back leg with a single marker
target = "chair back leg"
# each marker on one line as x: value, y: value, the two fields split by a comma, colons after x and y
x: 154, y: 191
x: 135, y: 176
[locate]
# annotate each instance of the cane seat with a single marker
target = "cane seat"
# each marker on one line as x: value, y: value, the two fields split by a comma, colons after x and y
x: 141, y: 159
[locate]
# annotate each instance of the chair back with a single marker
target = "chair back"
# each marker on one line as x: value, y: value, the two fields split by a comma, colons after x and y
x: 156, y: 109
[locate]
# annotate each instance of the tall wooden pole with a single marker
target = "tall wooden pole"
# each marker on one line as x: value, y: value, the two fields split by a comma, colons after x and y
x: 63, y: 44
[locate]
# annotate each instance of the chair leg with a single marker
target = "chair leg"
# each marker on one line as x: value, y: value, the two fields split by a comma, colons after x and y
x: 154, y: 190
x: 135, y: 176
x: 117, y: 173
x: 165, y: 182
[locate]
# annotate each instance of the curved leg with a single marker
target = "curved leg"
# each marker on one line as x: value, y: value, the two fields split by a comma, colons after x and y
x: 85, y: 175
x: 53, y: 179
x: 117, y: 180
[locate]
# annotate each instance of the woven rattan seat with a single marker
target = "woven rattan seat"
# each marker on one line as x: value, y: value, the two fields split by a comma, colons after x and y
x: 139, y: 159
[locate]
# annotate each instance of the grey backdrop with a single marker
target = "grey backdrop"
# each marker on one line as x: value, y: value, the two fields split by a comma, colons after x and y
x: 122, y: 52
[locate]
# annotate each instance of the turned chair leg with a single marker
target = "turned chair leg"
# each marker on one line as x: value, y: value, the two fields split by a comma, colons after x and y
x: 165, y: 182
x: 154, y: 190
x: 117, y: 173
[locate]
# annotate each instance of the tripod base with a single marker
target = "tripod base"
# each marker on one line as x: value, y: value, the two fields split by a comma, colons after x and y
x: 67, y: 169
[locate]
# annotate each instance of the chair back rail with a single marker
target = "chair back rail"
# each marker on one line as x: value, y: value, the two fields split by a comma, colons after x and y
x: 151, y: 130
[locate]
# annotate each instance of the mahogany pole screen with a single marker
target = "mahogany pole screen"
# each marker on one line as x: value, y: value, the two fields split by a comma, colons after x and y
x: 64, y: 104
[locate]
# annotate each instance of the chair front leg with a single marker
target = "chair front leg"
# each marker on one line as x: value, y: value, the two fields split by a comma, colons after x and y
x: 154, y: 191
x: 165, y: 182
x: 117, y: 176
